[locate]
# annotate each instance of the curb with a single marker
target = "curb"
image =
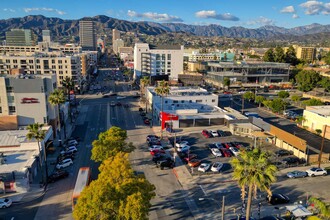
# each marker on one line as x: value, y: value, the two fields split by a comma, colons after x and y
x: 35, y: 198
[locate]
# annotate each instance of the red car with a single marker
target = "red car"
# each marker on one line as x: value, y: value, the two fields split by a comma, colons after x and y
x: 194, y: 163
x: 225, y: 152
x: 156, y: 151
x: 190, y: 157
x: 206, y: 134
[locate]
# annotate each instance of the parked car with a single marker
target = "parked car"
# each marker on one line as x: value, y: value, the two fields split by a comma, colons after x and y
x: 71, y: 149
x: 72, y: 142
x: 216, y: 167
x: 315, y: 171
x: 64, y: 163
x: 228, y: 145
x: 291, y: 161
x: 113, y: 104
x: 5, y: 203
x: 281, y: 153
x: 214, y: 133
x: 67, y: 154
x: 157, y: 151
x: 183, y: 148
x: 181, y: 143
x: 234, y: 151
x: 216, y: 152
x: 159, y: 157
x: 118, y: 103
x: 218, y: 145
x: 225, y: 152
x: 296, y: 174
x: 194, y: 163
x: 221, y: 133
x: 206, y: 134
x: 190, y: 157
x: 57, y: 175
x: 152, y: 137
x: 276, y: 199
x: 156, y: 147
x: 204, y: 167
x: 63, y: 157
x: 168, y: 163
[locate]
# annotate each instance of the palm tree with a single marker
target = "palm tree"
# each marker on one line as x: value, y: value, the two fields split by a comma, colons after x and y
x: 57, y: 98
x: 254, y: 171
x: 323, y: 209
x: 68, y: 83
x: 145, y: 81
x: 162, y: 89
x: 36, y: 132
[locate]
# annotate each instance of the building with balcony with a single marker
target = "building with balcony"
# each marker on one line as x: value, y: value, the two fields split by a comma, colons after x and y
x: 158, y: 60
x: 246, y: 72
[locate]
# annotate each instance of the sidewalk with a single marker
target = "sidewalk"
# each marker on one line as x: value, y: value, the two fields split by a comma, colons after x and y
x: 35, y: 192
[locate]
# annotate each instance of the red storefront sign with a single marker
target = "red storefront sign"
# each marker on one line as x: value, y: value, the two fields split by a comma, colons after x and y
x: 29, y: 100
x: 167, y: 117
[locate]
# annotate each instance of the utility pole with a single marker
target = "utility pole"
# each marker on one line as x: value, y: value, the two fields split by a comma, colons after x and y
x: 223, y: 208
x: 322, y: 145
x: 242, y: 104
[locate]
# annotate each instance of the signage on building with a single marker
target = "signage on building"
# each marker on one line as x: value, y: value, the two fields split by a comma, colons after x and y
x: 29, y: 100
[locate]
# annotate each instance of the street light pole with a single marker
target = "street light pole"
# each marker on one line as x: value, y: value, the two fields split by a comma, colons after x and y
x: 322, y: 145
x: 223, y: 208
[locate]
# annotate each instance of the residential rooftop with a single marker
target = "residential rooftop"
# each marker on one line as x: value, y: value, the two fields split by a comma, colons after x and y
x: 322, y: 110
x: 17, y: 161
x: 184, y: 91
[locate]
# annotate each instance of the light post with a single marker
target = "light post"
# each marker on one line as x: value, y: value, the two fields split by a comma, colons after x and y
x: 221, y: 207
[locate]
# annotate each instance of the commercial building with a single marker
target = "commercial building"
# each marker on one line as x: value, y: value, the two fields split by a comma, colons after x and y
x: 87, y: 35
x: 316, y: 117
x: 305, y: 53
x: 191, y: 79
x: 116, y: 45
x: 24, y: 100
x: 46, y: 36
x: 246, y: 72
x: 158, y: 60
x: 115, y: 35
x: 196, y: 56
x: 20, y: 159
x: 19, y: 37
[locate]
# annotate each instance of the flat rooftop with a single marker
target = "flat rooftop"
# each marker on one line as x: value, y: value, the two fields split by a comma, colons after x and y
x: 322, y: 110
x: 250, y: 64
x: 17, y: 161
x: 13, y: 138
x: 184, y: 91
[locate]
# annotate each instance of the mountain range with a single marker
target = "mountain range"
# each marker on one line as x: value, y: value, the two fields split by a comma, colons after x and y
x: 67, y: 28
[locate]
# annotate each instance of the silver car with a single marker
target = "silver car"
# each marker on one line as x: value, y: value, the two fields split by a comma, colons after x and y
x: 297, y: 174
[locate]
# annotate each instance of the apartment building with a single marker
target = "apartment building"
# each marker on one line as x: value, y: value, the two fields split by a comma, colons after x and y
x: 305, y: 53
x: 115, y: 35
x: 160, y: 60
x: 196, y: 56
x: 24, y: 100
x: 87, y: 35
x: 317, y: 117
x: 19, y: 37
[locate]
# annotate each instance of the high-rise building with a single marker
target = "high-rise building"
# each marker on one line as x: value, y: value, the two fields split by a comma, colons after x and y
x: 87, y: 35
x: 158, y: 60
x: 46, y: 36
x: 115, y: 35
x: 117, y: 44
x: 19, y: 37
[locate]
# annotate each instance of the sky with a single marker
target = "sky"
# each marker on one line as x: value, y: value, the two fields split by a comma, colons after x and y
x: 246, y: 13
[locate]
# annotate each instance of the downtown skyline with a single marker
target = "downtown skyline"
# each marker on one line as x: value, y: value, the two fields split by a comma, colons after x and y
x: 248, y: 14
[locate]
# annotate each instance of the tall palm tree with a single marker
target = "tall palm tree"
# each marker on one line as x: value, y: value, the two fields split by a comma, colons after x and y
x: 145, y: 81
x: 323, y: 209
x: 57, y: 98
x: 68, y: 84
x: 254, y: 171
x: 36, y: 132
x: 162, y: 89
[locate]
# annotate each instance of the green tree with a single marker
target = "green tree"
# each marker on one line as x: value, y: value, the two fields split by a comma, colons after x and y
x: 260, y: 99
x: 279, y: 55
x: 322, y: 208
x: 226, y: 82
x: 278, y: 105
x: 326, y: 58
x: 283, y: 94
x: 312, y: 102
x: 109, y: 143
x: 68, y: 84
x: 254, y: 171
x: 301, y: 119
x: 162, y: 90
x: 249, y: 96
x: 269, y: 55
x: 35, y: 132
x: 307, y: 80
x: 318, y: 131
x: 144, y: 82
x: 117, y: 193
x: 290, y: 56
x: 325, y: 83
x: 267, y: 103
x: 296, y: 98
x: 56, y: 98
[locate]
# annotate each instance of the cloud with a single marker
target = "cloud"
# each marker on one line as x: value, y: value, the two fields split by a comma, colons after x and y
x: 295, y: 16
x: 28, y: 10
x: 9, y: 9
x: 288, y: 9
x: 316, y: 7
x: 214, y: 15
x: 154, y: 16
x: 261, y: 21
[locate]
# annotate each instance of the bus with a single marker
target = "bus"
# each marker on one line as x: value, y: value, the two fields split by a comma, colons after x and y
x: 83, y: 180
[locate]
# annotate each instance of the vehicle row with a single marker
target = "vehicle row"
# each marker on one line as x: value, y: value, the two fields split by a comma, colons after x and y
x: 215, y: 133
x: 312, y: 172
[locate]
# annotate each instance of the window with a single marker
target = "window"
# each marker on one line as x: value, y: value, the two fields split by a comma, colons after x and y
x: 199, y: 101
x: 53, y: 61
x: 213, y: 100
x: 190, y: 101
x: 0, y: 109
x: 157, y: 56
x: 14, y: 61
x: 168, y: 56
x: 175, y: 101
x: 10, y: 89
x: 166, y: 101
x: 30, y: 61
x: 38, y: 61
x: 60, y: 61
x: 182, y: 101
x: 12, y: 109
x: 163, y: 56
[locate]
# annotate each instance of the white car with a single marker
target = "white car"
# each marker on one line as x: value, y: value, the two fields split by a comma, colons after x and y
x: 155, y: 147
x: 113, y: 103
x: 204, y: 167
x: 5, y: 203
x: 64, y: 163
x: 216, y: 167
x: 218, y: 145
x: 314, y: 171
x: 71, y: 149
x: 181, y: 143
x: 216, y: 152
x: 72, y: 142
x: 214, y: 133
x: 183, y: 148
x: 234, y: 150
